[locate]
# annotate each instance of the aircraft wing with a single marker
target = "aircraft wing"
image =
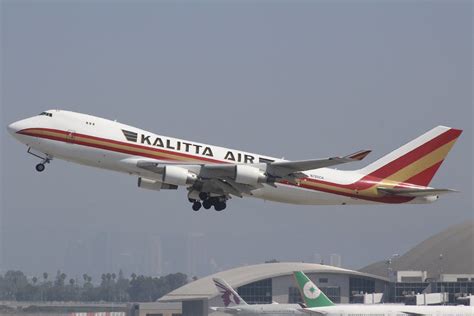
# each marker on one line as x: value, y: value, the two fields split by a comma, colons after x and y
x: 223, y: 178
x: 215, y: 178
x: 228, y: 186
x: 280, y: 169
x: 414, y: 192
x: 285, y: 168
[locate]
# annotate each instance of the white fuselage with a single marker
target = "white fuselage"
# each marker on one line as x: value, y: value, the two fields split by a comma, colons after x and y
x: 111, y: 145
x: 391, y: 310
x: 266, y: 309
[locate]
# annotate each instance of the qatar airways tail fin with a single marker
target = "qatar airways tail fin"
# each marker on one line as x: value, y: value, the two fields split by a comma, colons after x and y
x: 417, y: 161
x: 228, y: 294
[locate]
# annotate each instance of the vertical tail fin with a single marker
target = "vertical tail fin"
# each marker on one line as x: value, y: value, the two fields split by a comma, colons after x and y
x: 312, y: 295
x: 417, y: 161
x: 228, y: 294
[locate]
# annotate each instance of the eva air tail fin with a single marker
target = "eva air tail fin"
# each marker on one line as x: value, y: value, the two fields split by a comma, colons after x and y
x: 312, y: 295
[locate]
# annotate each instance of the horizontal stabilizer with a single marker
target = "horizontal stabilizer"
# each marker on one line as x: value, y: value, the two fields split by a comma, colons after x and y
x: 413, y: 192
x: 313, y: 311
x: 228, y: 310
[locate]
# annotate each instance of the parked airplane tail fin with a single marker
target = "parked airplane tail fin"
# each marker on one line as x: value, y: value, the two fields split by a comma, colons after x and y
x: 229, y: 296
x: 417, y: 161
x: 312, y: 295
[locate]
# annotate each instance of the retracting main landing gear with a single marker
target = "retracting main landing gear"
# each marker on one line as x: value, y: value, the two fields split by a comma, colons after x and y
x: 46, y: 159
x: 219, y: 202
x: 196, y: 205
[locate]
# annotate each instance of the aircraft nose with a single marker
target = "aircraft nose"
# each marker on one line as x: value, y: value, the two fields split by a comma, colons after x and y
x: 13, y: 128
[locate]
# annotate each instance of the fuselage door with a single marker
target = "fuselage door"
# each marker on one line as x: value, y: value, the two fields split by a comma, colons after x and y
x: 71, y: 136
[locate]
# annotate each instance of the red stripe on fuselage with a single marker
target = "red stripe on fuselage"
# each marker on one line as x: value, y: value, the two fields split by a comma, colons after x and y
x: 383, y: 199
x: 75, y: 141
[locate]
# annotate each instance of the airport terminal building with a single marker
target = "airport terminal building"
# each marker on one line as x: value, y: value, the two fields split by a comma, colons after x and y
x: 439, y: 270
x: 274, y: 282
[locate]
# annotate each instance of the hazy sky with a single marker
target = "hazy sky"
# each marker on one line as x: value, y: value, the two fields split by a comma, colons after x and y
x: 299, y: 79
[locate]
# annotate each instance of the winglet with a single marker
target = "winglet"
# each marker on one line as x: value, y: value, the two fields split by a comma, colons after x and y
x: 361, y: 154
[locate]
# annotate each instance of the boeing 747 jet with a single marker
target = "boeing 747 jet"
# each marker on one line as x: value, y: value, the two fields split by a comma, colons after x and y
x: 212, y: 175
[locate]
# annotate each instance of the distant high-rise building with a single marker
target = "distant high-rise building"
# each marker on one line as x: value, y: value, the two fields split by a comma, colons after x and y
x: 76, y: 258
x: 214, y: 267
x: 335, y: 260
x: 99, y: 253
x: 197, y: 258
x: 317, y: 258
x: 156, y: 265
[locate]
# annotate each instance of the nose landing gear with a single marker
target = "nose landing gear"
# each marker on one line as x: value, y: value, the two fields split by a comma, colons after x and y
x: 41, y: 166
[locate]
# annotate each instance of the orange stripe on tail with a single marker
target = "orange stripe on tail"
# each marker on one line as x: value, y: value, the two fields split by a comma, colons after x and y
x: 418, y: 161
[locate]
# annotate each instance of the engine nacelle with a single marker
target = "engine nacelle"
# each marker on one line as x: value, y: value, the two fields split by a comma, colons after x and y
x: 249, y: 175
x: 149, y: 184
x: 178, y: 176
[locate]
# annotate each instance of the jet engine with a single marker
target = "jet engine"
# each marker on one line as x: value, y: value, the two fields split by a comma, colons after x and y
x: 178, y: 176
x: 149, y: 184
x: 249, y: 175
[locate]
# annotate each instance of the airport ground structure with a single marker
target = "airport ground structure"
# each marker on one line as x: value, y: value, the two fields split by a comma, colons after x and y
x: 274, y: 283
x: 439, y: 270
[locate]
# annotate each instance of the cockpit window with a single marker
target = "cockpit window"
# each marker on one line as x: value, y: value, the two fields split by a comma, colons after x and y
x: 47, y: 114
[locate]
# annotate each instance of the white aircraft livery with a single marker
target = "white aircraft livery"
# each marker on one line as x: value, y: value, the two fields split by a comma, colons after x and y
x: 235, y: 305
x: 212, y: 175
x: 317, y: 304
